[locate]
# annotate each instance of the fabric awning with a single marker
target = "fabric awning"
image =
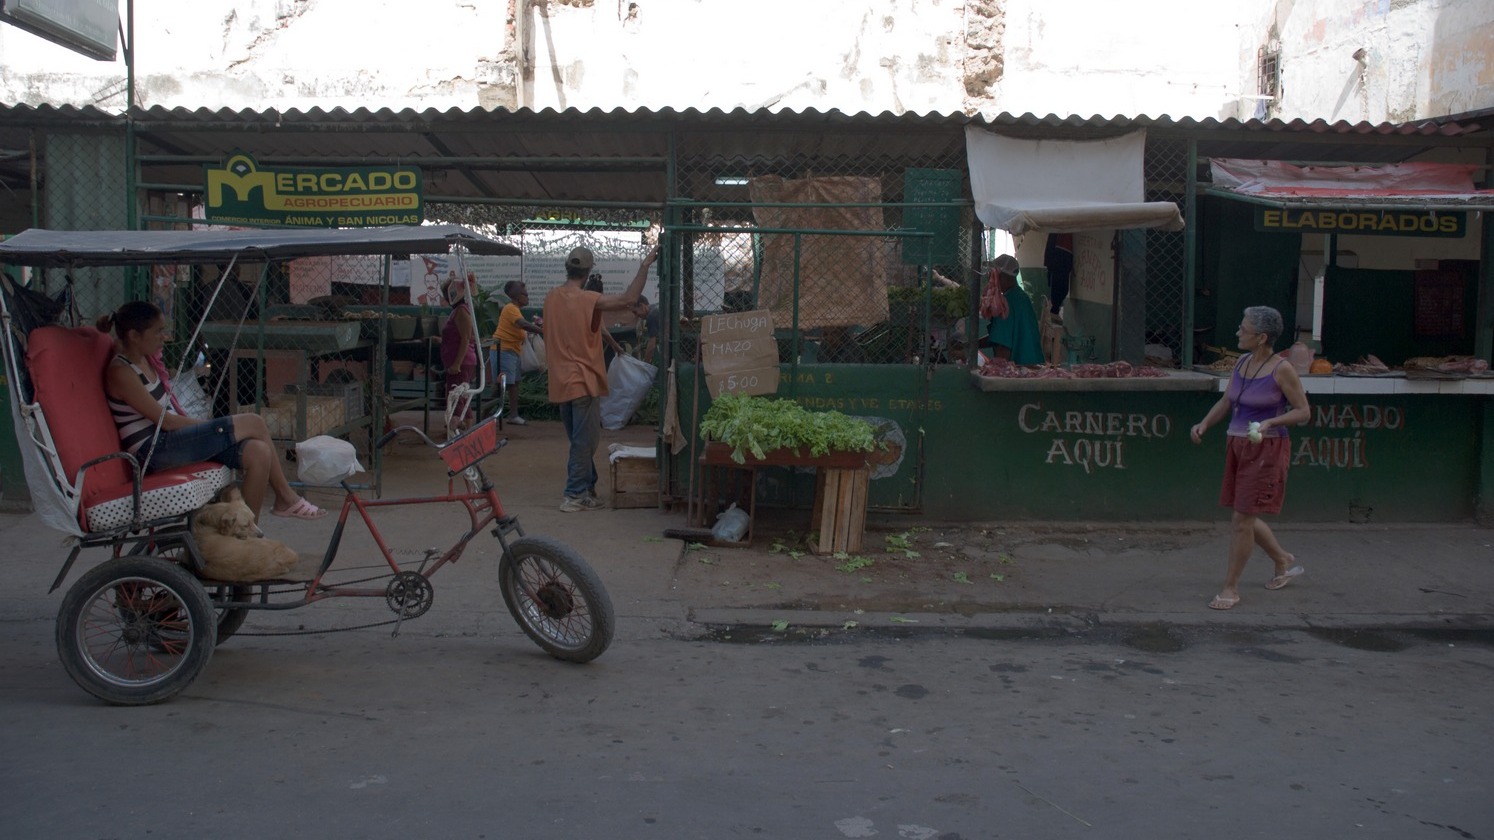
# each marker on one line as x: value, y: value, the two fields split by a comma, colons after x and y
x: 1395, y: 186
x: 1063, y: 186
x: 57, y: 248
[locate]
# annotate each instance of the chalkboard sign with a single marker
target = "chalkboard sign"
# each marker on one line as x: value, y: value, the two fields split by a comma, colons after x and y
x: 739, y: 353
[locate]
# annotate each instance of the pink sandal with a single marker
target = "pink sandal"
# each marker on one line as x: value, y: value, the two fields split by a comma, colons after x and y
x: 302, y: 509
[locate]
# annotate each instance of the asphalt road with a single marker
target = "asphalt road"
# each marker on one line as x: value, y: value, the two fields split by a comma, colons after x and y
x: 463, y: 729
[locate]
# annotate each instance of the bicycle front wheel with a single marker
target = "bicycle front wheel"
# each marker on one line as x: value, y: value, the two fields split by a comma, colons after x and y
x: 557, y: 599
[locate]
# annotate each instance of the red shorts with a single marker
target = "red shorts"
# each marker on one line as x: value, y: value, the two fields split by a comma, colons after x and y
x: 1255, y: 475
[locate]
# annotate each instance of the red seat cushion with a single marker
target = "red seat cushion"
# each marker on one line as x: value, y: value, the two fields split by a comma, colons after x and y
x: 67, y: 371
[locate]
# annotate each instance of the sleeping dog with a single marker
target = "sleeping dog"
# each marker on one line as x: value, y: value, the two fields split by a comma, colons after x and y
x: 230, y: 547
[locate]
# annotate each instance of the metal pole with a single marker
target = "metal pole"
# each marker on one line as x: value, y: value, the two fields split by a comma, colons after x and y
x: 1190, y: 258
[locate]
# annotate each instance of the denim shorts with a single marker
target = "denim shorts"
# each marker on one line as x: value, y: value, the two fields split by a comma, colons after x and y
x: 212, y: 440
x: 508, y: 363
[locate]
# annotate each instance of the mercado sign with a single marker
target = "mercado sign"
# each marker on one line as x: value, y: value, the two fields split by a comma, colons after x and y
x: 242, y: 192
x: 1362, y: 222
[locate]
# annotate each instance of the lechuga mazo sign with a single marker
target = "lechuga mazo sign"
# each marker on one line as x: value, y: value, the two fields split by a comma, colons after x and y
x: 243, y: 192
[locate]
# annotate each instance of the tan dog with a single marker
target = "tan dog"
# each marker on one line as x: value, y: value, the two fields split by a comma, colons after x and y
x: 230, y: 548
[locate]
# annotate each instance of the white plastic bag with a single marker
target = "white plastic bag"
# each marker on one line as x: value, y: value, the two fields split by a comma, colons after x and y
x: 628, y: 382
x: 532, y: 354
x: 189, y: 394
x: 326, y: 460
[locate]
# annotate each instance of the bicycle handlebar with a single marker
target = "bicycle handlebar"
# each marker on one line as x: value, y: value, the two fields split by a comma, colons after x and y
x: 392, y: 433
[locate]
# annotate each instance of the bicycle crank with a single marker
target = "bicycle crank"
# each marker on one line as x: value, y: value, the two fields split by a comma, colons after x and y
x: 409, y: 595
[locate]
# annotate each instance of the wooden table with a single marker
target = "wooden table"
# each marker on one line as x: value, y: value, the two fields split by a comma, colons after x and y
x: 840, y: 490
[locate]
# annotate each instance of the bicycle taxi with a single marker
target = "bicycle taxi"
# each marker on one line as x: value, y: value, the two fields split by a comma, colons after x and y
x: 140, y: 626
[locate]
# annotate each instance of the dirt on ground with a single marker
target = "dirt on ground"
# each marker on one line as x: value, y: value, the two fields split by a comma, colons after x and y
x: 918, y: 568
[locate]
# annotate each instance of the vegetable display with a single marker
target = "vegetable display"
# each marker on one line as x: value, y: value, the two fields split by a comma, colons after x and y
x: 758, y: 425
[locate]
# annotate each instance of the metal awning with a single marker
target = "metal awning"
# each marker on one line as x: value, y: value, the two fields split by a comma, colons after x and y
x: 57, y: 248
x: 1442, y: 187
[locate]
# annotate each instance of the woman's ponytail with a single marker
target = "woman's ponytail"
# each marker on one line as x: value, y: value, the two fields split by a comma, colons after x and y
x: 132, y: 316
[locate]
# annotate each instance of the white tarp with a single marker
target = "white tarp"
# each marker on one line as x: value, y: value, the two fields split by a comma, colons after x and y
x: 1061, y: 186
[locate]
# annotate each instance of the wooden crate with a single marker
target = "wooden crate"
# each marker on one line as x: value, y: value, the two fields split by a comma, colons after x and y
x: 839, y: 509
x: 635, y: 483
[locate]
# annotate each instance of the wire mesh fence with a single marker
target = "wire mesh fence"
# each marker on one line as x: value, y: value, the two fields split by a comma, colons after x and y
x: 845, y: 252
x: 1165, y: 265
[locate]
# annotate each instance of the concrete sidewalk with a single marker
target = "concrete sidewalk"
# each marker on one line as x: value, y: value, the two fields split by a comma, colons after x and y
x: 983, y: 575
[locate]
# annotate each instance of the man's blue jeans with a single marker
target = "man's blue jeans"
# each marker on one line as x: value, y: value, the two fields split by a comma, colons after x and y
x: 582, y: 418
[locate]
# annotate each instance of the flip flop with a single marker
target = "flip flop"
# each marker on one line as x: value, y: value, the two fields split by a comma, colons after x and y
x: 1285, y: 577
x: 1222, y: 603
x: 302, y: 509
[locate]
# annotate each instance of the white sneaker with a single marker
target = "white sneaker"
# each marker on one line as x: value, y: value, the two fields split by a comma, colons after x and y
x: 576, y: 504
x: 518, y: 421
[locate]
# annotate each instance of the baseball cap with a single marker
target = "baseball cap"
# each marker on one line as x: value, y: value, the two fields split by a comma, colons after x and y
x: 1006, y: 264
x: 580, y: 258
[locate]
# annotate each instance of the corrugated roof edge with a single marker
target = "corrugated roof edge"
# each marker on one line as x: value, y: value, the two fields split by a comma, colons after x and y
x: 1452, y: 125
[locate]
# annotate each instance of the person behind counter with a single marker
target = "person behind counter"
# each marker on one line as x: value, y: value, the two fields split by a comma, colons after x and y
x: 1264, y: 397
x: 510, y: 335
x: 1013, y: 327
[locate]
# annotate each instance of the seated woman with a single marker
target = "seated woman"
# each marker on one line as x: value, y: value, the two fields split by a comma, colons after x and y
x: 138, y: 398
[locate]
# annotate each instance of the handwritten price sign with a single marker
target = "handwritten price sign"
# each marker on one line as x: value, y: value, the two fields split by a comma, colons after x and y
x: 739, y: 353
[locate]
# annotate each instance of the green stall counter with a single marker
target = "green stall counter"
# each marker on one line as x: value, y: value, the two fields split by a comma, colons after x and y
x: 980, y: 449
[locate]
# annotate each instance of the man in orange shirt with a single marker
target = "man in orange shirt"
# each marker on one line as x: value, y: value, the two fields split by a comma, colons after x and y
x: 578, y: 376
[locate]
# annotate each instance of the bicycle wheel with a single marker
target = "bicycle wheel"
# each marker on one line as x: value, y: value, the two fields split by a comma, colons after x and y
x: 135, y: 630
x: 230, y: 619
x: 557, y: 599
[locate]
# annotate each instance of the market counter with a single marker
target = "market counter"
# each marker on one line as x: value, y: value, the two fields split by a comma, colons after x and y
x: 1392, y: 384
x: 1171, y: 380
x: 1377, y: 449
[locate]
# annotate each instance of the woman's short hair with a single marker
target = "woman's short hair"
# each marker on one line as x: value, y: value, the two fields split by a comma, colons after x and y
x: 1265, y: 320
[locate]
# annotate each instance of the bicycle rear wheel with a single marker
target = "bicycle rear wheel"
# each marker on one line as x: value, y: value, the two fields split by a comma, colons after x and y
x: 557, y: 599
x: 135, y: 630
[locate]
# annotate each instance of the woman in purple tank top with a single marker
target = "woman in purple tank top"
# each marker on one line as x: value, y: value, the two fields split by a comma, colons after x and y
x: 1265, y: 396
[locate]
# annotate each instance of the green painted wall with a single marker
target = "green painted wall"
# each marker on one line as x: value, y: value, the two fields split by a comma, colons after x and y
x: 1122, y: 456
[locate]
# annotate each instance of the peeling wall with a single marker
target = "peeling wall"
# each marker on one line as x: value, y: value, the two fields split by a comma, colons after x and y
x: 1384, y: 60
x: 1087, y: 57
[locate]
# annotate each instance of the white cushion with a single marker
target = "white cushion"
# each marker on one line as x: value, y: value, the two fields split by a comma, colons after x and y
x: 178, y: 497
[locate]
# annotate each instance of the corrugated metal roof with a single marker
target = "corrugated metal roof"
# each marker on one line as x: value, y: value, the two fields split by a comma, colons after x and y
x: 409, y: 118
x: 619, y: 155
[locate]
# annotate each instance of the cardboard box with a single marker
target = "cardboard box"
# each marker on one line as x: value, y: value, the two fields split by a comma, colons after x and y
x: 322, y: 415
x: 635, y: 483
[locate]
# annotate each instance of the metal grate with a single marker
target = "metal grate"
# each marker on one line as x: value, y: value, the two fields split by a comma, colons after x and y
x: 1165, y: 266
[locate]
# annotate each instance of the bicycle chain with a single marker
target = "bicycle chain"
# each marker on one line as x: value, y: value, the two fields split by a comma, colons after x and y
x: 317, y: 632
x: 396, y: 620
